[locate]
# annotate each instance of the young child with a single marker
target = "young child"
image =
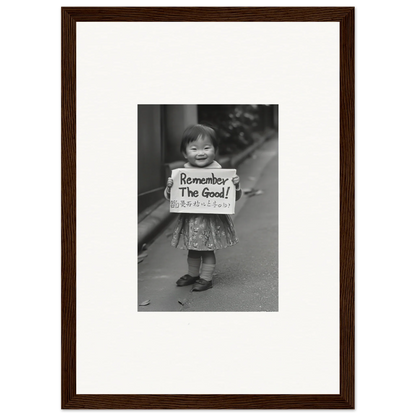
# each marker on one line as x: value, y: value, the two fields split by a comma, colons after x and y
x: 201, y: 234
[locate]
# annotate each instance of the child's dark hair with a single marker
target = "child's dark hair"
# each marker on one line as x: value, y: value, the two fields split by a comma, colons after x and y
x: 191, y: 133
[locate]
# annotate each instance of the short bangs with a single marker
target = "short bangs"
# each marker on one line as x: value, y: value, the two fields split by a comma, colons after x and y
x: 191, y: 133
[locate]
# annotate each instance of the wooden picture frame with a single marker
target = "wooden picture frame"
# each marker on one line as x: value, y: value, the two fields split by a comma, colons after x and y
x: 70, y: 399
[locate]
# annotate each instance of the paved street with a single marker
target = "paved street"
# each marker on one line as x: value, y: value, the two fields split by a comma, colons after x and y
x: 245, y: 278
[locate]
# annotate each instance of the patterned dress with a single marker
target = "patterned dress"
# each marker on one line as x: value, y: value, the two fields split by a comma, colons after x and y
x: 204, y: 232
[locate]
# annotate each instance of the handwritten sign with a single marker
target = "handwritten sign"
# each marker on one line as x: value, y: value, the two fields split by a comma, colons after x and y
x: 204, y: 191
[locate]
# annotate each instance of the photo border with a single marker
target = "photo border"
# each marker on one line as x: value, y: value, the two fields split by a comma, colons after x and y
x: 69, y: 17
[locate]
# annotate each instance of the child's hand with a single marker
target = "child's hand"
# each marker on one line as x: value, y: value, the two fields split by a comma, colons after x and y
x: 169, y: 184
x: 236, y: 182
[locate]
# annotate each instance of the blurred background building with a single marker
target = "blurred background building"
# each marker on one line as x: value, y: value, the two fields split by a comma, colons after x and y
x: 160, y: 129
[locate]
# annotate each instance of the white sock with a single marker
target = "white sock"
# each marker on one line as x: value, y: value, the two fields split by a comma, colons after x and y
x: 207, y: 271
x: 193, y: 266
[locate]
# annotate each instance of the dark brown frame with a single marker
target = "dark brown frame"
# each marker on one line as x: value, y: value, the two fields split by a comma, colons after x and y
x: 344, y: 400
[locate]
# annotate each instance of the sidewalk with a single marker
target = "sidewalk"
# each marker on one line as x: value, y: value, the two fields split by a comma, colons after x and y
x: 246, y: 274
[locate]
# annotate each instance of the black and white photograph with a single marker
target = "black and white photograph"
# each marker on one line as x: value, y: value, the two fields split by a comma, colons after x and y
x: 208, y: 208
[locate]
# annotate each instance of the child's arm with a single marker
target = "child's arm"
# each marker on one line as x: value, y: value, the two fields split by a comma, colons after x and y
x: 238, y: 192
x: 167, y: 189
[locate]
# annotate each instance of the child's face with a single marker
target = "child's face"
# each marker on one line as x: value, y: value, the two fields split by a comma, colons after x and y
x: 201, y: 152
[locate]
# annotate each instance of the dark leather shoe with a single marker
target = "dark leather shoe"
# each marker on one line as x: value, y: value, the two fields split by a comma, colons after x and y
x: 187, y: 280
x: 201, y: 285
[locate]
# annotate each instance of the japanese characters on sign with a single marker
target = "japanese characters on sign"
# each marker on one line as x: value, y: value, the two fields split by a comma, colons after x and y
x: 205, y: 191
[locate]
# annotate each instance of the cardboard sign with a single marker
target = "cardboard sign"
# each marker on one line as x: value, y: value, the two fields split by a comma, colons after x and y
x: 204, y: 191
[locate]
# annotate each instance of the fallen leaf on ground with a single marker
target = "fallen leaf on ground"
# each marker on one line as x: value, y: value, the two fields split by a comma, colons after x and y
x: 184, y: 303
x: 258, y: 192
x: 252, y: 192
x: 141, y: 257
x: 145, y: 303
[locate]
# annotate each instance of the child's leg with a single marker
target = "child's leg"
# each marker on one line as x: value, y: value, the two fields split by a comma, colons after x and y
x: 208, y: 257
x: 207, y: 271
x: 194, y: 262
x: 208, y: 265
